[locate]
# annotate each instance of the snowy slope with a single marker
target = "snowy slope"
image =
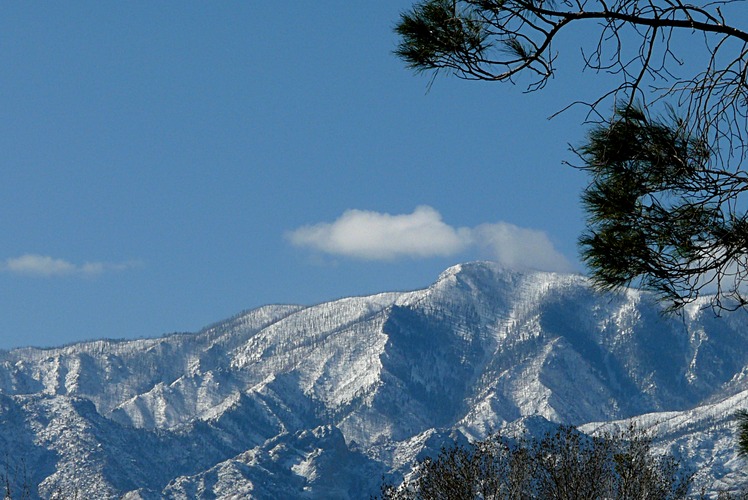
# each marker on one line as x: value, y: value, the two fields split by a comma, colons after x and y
x: 321, y: 401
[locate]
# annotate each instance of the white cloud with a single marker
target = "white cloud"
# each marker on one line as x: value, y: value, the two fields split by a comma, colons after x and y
x: 39, y: 265
x: 518, y: 247
x: 45, y: 266
x: 379, y: 236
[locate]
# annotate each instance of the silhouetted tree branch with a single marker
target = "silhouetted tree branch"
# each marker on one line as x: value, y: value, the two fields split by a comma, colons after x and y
x: 497, y: 40
x: 660, y: 215
x: 665, y: 206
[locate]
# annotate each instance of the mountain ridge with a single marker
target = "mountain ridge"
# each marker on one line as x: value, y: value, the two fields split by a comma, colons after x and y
x: 267, y: 402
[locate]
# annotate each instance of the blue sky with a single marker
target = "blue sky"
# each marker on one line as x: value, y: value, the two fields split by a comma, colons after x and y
x: 167, y: 165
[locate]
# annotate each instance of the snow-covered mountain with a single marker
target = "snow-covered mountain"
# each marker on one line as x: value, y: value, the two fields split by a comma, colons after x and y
x: 322, y: 401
